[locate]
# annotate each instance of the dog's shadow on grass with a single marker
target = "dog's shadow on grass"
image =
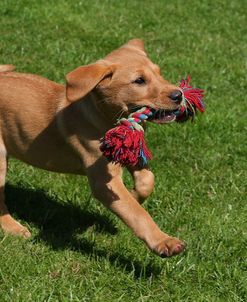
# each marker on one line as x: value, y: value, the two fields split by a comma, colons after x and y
x: 59, y: 222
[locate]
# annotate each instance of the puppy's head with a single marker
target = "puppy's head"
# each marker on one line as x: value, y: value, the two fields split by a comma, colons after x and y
x: 124, y: 81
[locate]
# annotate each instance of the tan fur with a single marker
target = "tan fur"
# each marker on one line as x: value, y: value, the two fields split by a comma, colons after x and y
x: 4, y: 68
x: 58, y: 128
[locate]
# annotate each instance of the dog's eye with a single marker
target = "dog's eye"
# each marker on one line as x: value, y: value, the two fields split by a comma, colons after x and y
x: 139, y: 81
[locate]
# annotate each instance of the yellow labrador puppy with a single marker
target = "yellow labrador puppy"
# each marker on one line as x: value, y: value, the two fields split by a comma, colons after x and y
x: 58, y: 128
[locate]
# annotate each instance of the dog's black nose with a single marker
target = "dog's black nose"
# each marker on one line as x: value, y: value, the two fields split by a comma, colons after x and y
x: 176, y: 96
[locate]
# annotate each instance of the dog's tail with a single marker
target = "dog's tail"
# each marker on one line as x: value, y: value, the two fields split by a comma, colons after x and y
x: 4, y: 68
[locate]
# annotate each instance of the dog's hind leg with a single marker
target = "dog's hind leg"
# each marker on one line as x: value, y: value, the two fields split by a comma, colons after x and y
x: 8, y: 224
x: 143, y: 183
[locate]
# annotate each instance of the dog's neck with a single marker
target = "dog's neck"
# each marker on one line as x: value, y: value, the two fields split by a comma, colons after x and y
x: 91, y: 113
x: 99, y: 112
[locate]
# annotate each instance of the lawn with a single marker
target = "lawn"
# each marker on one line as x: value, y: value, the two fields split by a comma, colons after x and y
x: 81, y: 252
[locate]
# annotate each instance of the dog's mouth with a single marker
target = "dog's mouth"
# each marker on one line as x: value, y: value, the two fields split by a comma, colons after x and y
x: 158, y: 116
x: 163, y: 116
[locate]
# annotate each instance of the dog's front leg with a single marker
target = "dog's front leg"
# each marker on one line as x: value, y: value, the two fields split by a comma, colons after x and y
x: 107, y: 186
x: 143, y: 183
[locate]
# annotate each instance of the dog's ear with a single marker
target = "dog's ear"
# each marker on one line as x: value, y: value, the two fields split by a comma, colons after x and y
x: 85, y: 78
x: 136, y: 43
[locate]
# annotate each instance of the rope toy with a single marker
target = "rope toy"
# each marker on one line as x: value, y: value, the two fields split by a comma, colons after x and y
x: 192, y: 101
x: 125, y: 143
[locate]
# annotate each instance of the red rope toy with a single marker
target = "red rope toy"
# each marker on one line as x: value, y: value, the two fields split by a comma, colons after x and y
x: 125, y: 143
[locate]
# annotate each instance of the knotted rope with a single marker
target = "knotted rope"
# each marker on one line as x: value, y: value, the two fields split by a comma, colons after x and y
x: 125, y: 143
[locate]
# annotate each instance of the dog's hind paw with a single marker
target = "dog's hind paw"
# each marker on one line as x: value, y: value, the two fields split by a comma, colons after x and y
x: 10, y: 226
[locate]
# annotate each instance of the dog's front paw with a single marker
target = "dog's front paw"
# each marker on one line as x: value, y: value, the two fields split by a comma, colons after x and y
x: 170, y: 246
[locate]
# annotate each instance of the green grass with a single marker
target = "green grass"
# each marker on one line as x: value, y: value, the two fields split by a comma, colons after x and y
x: 81, y: 252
